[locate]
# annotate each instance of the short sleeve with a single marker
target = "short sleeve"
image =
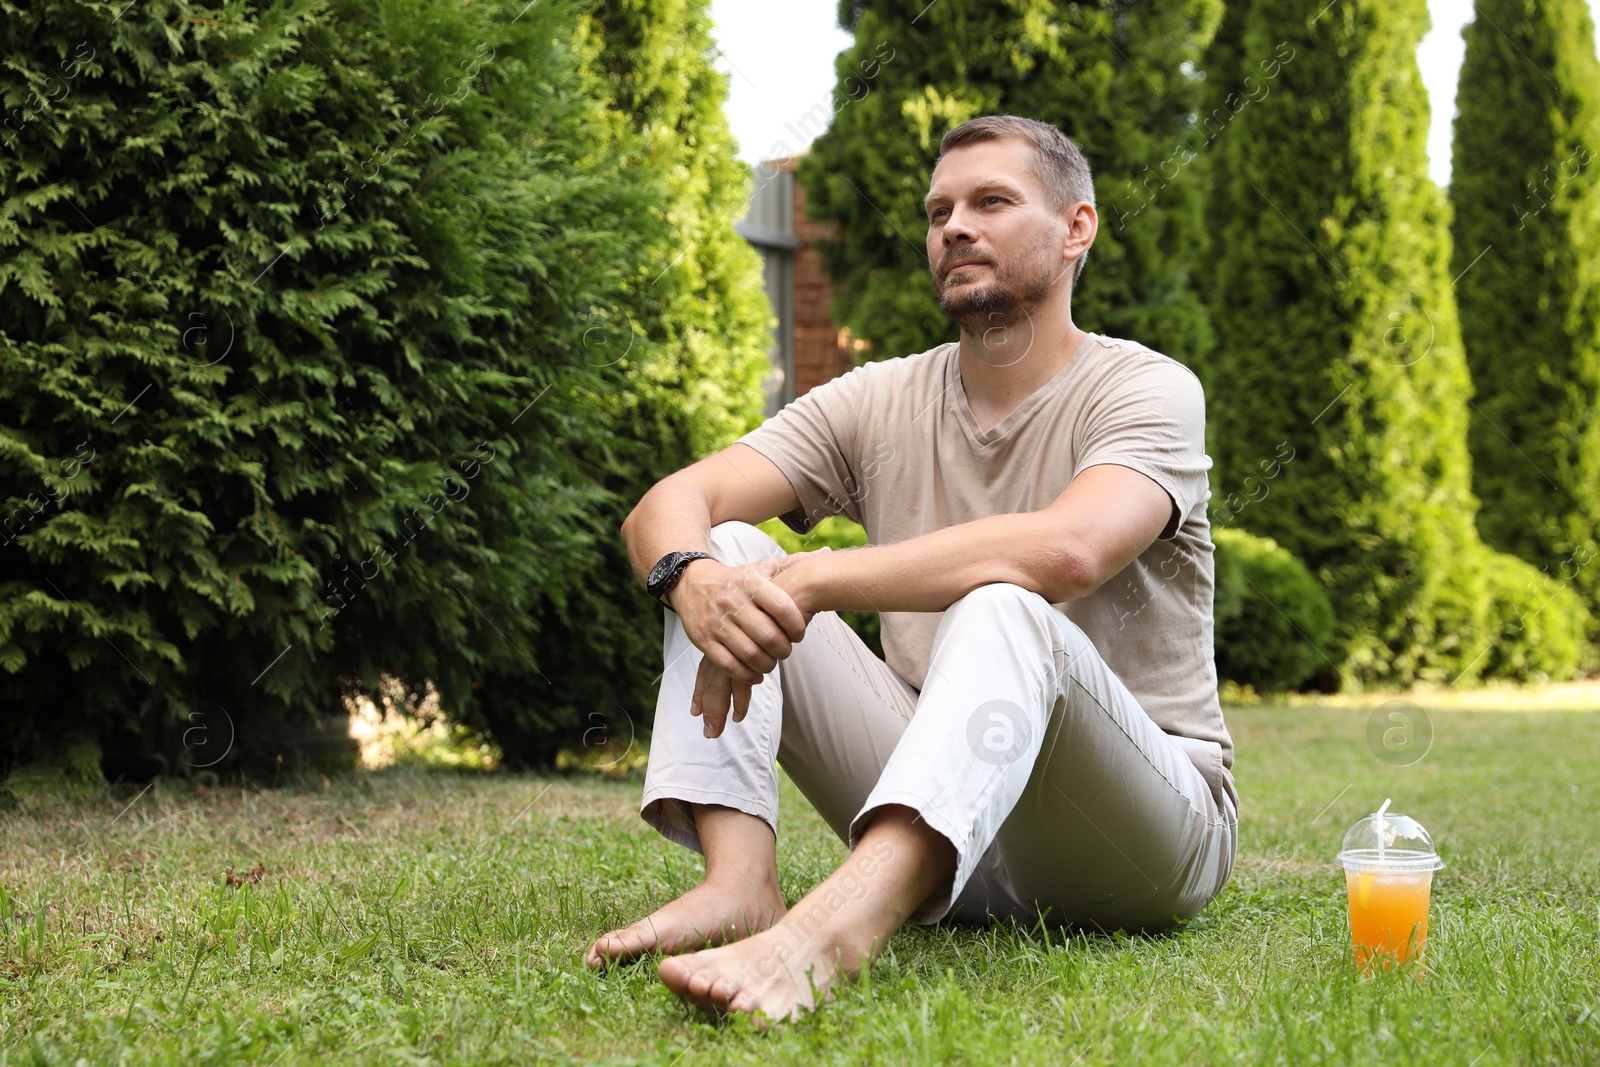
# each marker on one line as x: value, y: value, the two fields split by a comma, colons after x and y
x: 1152, y: 419
x: 813, y: 442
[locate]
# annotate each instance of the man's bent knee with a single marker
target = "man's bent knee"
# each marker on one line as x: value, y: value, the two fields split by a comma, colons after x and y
x: 735, y: 543
x: 1002, y: 598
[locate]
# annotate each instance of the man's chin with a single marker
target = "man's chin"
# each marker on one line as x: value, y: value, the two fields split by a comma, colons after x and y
x: 979, y: 308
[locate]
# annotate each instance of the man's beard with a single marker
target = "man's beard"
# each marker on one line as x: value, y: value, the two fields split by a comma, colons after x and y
x: 1007, y: 297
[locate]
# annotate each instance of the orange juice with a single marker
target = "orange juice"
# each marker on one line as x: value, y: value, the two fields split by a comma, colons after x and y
x: 1388, y: 914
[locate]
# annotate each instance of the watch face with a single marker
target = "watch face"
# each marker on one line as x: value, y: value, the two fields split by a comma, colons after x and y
x: 661, y: 570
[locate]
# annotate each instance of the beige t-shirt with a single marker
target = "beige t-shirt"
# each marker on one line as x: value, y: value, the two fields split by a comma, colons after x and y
x: 894, y: 446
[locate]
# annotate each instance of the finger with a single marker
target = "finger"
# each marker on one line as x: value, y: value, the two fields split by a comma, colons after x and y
x: 810, y: 552
x: 741, y: 702
x: 778, y: 564
x: 729, y: 650
x: 734, y: 667
x: 753, y: 576
x: 780, y: 606
x: 715, y: 708
x: 765, y: 632
x: 755, y: 581
x: 772, y: 565
x: 711, y: 671
x: 701, y: 675
x: 738, y: 655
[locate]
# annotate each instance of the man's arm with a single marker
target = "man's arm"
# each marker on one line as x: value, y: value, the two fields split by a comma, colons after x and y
x: 744, y: 622
x: 737, y: 484
x: 1097, y: 526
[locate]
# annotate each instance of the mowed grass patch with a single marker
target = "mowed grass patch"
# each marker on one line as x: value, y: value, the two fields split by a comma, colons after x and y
x: 414, y: 917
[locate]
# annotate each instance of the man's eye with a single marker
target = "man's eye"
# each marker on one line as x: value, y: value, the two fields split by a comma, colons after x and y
x: 987, y: 199
x: 936, y: 212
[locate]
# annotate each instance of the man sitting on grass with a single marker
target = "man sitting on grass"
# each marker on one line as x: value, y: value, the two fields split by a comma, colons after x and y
x: 1045, y: 737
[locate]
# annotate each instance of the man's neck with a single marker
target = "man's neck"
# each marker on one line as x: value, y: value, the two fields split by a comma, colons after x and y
x: 1000, y: 368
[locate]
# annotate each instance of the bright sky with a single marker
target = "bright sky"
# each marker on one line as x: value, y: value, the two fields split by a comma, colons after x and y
x: 779, y: 59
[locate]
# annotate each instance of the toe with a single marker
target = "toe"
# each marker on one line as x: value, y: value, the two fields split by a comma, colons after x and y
x: 605, y: 949
x: 700, y: 985
x: 723, y: 991
x: 675, y: 975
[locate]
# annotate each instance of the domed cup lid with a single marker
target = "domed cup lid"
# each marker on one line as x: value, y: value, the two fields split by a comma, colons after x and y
x: 1387, y: 842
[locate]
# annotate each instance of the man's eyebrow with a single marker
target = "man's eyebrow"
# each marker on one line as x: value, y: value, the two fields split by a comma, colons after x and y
x: 994, y: 186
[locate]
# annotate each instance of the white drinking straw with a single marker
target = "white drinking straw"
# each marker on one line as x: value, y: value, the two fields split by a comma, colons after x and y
x: 1381, y: 810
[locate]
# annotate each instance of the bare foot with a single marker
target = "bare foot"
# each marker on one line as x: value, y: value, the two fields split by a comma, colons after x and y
x: 831, y: 933
x: 776, y: 975
x: 709, y: 914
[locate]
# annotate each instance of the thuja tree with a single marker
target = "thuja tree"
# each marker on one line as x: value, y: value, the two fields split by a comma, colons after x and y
x: 1340, y: 424
x: 1224, y: 100
x: 686, y: 335
x: 1222, y: 97
x: 293, y: 392
x: 1115, y: 78
x: 1527, y: 249
x: 705, y: 324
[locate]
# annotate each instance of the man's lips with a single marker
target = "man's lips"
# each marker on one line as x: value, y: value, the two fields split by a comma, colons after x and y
x: 964, y: 263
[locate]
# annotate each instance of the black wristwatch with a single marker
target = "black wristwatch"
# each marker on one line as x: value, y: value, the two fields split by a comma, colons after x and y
x: 665, y: 574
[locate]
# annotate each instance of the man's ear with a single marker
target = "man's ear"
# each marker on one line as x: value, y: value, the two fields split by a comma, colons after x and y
x: 1080, y: 217
x: 1083, y: 217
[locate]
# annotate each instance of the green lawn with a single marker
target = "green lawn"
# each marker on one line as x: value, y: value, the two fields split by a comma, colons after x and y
x: 421, y: 917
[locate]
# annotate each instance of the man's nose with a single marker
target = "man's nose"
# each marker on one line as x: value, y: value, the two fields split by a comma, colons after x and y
x: 958, y: 228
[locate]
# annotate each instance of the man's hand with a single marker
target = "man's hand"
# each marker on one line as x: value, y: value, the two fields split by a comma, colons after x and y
x: 744, y: 623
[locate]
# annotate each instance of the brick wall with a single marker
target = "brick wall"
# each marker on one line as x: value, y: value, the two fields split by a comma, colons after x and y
x: 822, y: 351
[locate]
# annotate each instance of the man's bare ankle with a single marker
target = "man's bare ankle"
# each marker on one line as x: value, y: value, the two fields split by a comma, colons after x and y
x: 761, y: 904
x: 756, y: 880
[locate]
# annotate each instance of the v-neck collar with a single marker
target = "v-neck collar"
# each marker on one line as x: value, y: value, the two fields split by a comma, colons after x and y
x: 1022, y: 411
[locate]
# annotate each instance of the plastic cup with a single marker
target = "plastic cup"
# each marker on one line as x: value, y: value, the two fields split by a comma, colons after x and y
x: 1388, y: 863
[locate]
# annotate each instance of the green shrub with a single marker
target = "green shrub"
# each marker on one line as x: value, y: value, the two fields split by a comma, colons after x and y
x: 835, y: 532
x: 1271, y: 614
x: 294, y: 391
x: 1539, y: 625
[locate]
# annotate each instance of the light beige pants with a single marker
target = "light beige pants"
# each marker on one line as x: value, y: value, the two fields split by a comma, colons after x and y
x: 1062, y: 798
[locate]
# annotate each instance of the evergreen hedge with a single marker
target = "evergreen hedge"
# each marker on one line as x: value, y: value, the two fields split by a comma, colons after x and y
x: 297, y: 377
x: 688, y: 332
x: 1271, y: 615
x: 1115, y: 79
x: 1527, y: 250
x: 701, y: 313
x: 1340, y: 343
x: 1225, y: 93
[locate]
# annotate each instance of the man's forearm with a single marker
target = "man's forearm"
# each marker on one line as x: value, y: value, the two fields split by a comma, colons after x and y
x: 931, y: 572
x: 668, y: 518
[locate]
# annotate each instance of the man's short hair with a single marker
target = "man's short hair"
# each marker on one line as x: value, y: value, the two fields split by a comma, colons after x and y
x: 1057, y: 161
